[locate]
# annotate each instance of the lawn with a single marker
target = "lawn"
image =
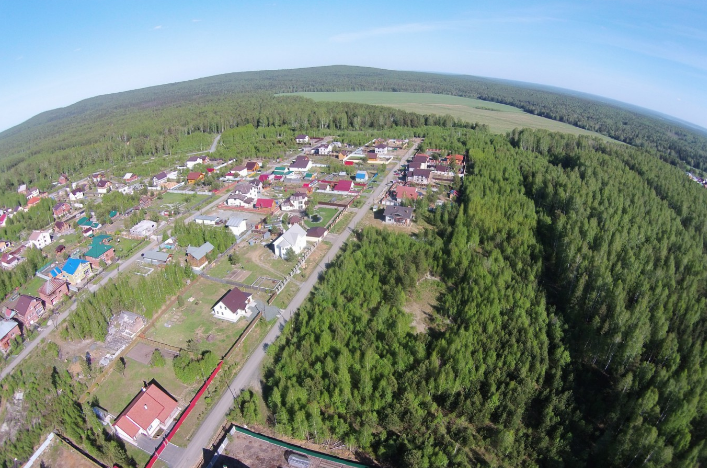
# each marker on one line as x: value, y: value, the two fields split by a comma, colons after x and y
x: 286, y: 295
x: 326, y: 213
x: 31, y: 288
x: 499, y: 117
x: 124, y: 246
x: 184, y: 201
x: 194, y: 321
x: 117, y: 390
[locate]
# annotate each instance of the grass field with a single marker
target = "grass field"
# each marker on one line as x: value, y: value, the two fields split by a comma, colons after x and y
x: 499, y: 117
x: 32, y: 286
x: 325, y: 213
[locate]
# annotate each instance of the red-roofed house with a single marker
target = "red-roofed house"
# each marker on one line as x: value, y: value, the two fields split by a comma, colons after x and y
x: 150, y: 410
x: 33, y: 201
x: 343, y: 186
x: 233, y: 305
x: 53, y: 290
x: 402, y: 192
x: 264, y: 203
x: 60, y: 209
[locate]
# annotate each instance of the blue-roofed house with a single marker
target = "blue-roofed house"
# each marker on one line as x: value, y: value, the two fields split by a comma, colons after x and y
x: 74, y: 271
x: 361, y: 176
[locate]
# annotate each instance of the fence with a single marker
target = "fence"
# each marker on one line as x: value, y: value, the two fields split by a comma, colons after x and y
x: 183, y: 417
x: 243, y: 336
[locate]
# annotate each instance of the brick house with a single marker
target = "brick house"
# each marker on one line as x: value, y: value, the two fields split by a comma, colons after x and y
x: 53, y: 290
x: 98, y: 252
x: 26, y: 309
x: 9, y: 329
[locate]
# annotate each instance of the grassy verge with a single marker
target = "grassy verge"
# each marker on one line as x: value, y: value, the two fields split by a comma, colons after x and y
x: 340, y: 225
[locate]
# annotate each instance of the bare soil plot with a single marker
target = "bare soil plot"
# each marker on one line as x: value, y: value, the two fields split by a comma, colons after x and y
x: 59, y: 454
x: 422, y: 302
x: 238, y: 275
x: 142, y: 353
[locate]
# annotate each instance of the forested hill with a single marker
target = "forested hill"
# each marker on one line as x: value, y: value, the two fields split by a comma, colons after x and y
x: 193, y: 104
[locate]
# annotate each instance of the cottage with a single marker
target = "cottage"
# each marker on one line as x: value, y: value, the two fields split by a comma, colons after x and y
x: 60, y: 209
x: 342, y: 155
x: 129, y: 177
x: 296, y: 201
x: 26, y: 309
x: 302, y: 139
x: 301, y: 164
x: 98, y: 252
x: 74, y: 271
x: 403, y: 192
x: 22, y: 189
x: 31, y: 193
x: 8, y: 261
x: 34, y: 201
x: 9, y: 329
x: 323, y: 149
x: 104, y: 186
x: 152, y: 409
x: 240, y: 200
x: 264, y: 203
x: 371, y: 156
x: 154, y: 257
x: 443, y: 170
x: 247, y: 189
x: 421, y: 159
x: 159, y: 179
x: 398, y: 215
x: 194, y: 177
x: 76, y: 194
x: 343, y: 186
x: 381, y: 148
x: 234, y: 305
x: 53, y: 290
x: 316, y: 234
x: 97, y: 176
x: 252, y: 166
x: 421, y: 176
x: 240, y: 171
x: 294, y: 238
x: 144, y: 228
x: 196, y: 256
x: 194, y: 160
x: 4, y: 245
x: 236, y: 225
x: 39, y: 239
x: 361, y: 176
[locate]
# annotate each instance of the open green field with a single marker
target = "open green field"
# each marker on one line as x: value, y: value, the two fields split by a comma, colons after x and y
x: 499, y: 117
x: 182, y: 201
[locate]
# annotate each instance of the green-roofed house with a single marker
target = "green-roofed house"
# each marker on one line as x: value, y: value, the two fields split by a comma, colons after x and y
x: 101, y: 239
x: 99, y: 252
x: 280, y: 168
x: 84, y: 222
x: 113, y: 214
x: 308, y: 175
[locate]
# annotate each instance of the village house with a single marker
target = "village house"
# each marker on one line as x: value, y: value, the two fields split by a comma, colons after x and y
x: 4, y: 245
x: 9, y: 329
x: 39, y: 239
x: 159, y: 179
x: 196, y: 256
x: 240, y: 200
x: 361, y: 176
x: 252, y: 166
x: 63, y: 179
x: 97, y: 177
x: 421, y: 159
x: 152, y: 409
x: 236, y: 225
x: 98, y: 252
x: 372, y: 157
x: 33, y: 192
x: 194, y: 177
x: 26, y: 309
x: 240, y: 171
x: 234, y: 305
x: 76, y: 194
x: 103, y: 186
x: 294, y: 238
x: 8, y: 261
x: 341, y: 155
x: 443, y: 170
x: 129, y: 177
x: 421, y: 176
x: 60, y: 209
x: 316, y: 234
x: 74, y: 271
x: 207, y: 220
x: 264, y: 203
x: 34, y: 201
x: 381, y: 148
x: 401, y: 215
x: 155, y: 257
x: 194, y: 160
x: 343, y: 186
x: 298, y: 201
x: 244, y: 188
x: 53, y: 290
x: 302, y: 139
x: 301, y: 164
x: 403, y: 192
x: 323, y: 149
x: 22, y: 189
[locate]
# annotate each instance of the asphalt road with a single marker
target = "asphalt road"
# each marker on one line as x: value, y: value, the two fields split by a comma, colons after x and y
x: 29, y: 347
x: 251, y: 369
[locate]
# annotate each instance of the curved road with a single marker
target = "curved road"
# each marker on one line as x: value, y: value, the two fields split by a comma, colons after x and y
x: 251, y: 369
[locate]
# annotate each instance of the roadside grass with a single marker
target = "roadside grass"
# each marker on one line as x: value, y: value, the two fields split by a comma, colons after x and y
x: 194, y: 321
x: 326, y: 214
x: 287, y: 294
x: 124, y: 246
x: 499, y: 117
x: 341, y: 224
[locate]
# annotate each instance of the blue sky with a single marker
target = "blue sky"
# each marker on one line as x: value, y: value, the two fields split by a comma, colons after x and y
x: 649, y: 53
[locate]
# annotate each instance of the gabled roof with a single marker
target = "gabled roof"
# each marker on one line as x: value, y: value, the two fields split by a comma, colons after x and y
x: 201, y: 251
x: 161, y: 175
x: 426, y: 173
x: 103, y: 238
x: 398, y: 212
x: 33, y: 201
x: 194, y: 175
x: 251, y: 165
x: 156, y: 255
x: 50, y: 286
x: 206, y: 218
x: 36, y: 235
x: 97, y: 250
x: 343, y: 186
x: 148, y: 405
x: 6, y: 326
x: 301, y: 162
x: 316, y: 232
x: 235, y: 300
x: 21, y: 306
x: 195, y: 159
x: 406, y: 192
x: 60, y: 205
x: 234, y: 221
x: 264, y: 203
x: 291, y: 236
x: 72, y: 264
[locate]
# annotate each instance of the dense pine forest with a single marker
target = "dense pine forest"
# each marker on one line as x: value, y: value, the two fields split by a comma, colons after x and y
x: 117, y: 130
x: 570, y: 330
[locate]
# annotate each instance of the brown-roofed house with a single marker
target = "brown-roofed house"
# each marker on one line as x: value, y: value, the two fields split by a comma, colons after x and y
x: 194, y: 177
x: 26, y: 309
x: 150, y: 410
x: 53, y: 290
x: 316, y: 234
x: 60, y: 209
x: 402, y: 192
x: 61, y: 226
x: 233, y: 305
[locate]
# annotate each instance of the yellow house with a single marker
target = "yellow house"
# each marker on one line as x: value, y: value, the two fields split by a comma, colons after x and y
x: 74, y: 271
x: 194, y: 177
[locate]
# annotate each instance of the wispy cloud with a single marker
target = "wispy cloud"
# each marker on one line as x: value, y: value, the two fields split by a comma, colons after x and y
x: 158, y: 27
x: 195, y: 20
